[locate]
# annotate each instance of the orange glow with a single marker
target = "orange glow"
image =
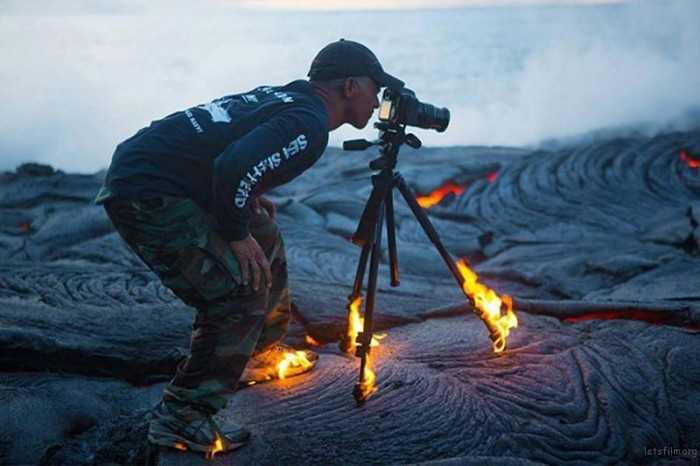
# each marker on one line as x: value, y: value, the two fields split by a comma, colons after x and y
x: 355, y: 323
x: 496, y: 312
x: 439, y: 194
x: 689, y: 160
x: 180, y: 446
x: 355, y: 326
x: 652, y: 317
x: 367, y: 387
x: 295, y: 359
x: 311, y: 341
x: 216, y: 448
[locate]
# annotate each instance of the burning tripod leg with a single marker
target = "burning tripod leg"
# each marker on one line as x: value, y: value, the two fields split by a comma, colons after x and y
x: 495, y: 311
x: 348, y: 342
x: 366, y: 386
x: 369, y: 236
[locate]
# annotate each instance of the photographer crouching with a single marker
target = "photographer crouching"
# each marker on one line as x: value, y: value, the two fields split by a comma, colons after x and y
x: 185, y: 193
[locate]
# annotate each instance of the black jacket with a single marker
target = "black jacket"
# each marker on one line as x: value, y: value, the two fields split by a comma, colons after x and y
x: 223, y: 153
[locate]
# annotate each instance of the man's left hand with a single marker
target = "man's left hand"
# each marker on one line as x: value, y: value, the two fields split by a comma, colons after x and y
x: 264, y: 203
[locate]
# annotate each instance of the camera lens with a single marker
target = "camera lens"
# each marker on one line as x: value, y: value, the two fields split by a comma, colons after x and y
x: 431, y: 117
x: 425, y: 115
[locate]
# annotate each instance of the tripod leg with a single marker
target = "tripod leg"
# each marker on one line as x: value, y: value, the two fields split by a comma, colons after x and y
x: 362, y: 390
x: 347, y: 343
x: 360, y: 274
x: 391, y: 239
x: 422, y: 218
x: 381, y: 184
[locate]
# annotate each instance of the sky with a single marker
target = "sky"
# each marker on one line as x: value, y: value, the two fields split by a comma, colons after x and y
x: 408, y: 4
x: 77, y: 77
x: 129, y: 6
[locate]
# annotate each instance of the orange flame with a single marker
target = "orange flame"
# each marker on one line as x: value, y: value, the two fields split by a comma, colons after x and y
x: 311, y: 341
x: 368, y: 386
x: 438, y: 195
x: 215, y: 448
x: 689, y: 160
x: 180, y: 446
x: 356, y: 325
x: 496, y: 312
x: 295, y: 359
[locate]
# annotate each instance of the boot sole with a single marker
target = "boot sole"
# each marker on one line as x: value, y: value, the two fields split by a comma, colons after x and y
x: 255, y: 381
x: 168, y: 439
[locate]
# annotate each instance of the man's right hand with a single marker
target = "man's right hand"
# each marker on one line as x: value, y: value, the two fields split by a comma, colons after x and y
x: 253, y: 262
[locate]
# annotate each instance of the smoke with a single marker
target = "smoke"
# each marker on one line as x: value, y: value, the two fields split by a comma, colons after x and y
x: 77, y: 80
x: 73, y: 86
x: 638, y: 69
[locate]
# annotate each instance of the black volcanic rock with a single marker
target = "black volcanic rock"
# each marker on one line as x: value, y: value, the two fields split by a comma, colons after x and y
x: 613, y: 221
x: 585, y: 393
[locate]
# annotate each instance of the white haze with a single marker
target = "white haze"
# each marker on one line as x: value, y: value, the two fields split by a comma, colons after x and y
x: 75, y: 82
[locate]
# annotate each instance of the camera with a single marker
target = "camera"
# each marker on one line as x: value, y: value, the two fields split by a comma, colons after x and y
x: 403, y: 108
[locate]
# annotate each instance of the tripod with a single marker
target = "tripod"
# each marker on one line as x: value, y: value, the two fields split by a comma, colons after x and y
x: 379, y: 210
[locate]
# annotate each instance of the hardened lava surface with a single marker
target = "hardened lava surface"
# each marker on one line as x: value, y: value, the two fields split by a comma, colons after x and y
x: 597, y: 241
x: 591, y: 393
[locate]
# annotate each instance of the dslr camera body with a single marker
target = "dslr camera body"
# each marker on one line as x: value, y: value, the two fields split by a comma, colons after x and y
x: 402, y: 107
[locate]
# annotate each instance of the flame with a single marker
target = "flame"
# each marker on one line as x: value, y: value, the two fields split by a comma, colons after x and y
x: 496, y: 312
x: 689, y: 160
x: 292, y: 359
x: 367, y: 387
x: 356, y: 324
x: 180, y: 446
x: 215, y: 448
x: 311, y: 341
x: 437, y: 195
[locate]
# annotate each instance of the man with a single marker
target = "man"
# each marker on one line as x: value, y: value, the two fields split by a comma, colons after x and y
x: 185, y: 195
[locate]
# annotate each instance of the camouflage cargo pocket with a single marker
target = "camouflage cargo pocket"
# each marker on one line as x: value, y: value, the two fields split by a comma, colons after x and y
x: 211, y: 268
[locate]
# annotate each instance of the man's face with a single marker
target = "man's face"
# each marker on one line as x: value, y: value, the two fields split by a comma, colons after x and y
x: 361, y: 93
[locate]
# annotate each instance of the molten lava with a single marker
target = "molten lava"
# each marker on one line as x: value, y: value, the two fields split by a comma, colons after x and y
x: 311, y: 341
x: 496, y: 311
x: 24, y: 227
x: 449, y: 187
x: 691, y: 161
x: 491, y: 177
x: 292, y: 359
x: 651, y: 317
x: 439, y: 194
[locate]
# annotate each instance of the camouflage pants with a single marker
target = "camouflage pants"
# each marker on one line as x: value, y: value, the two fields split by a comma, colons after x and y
x: 176, y: 239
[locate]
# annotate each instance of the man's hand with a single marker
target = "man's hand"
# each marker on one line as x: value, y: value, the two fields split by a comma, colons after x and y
x: 253, y: 262
x: 264, y: 203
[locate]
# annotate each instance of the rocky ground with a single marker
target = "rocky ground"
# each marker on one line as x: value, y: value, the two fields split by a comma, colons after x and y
x: 598, y: 242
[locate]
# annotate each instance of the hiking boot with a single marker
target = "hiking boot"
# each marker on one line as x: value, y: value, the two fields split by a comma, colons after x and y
x: 277, y: 362
x: 188, y: 429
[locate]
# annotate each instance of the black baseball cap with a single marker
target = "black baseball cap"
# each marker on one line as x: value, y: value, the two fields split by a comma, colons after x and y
x: 346, y: 58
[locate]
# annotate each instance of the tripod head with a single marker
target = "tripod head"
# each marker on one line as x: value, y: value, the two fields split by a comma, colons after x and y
x: 391, y: 137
